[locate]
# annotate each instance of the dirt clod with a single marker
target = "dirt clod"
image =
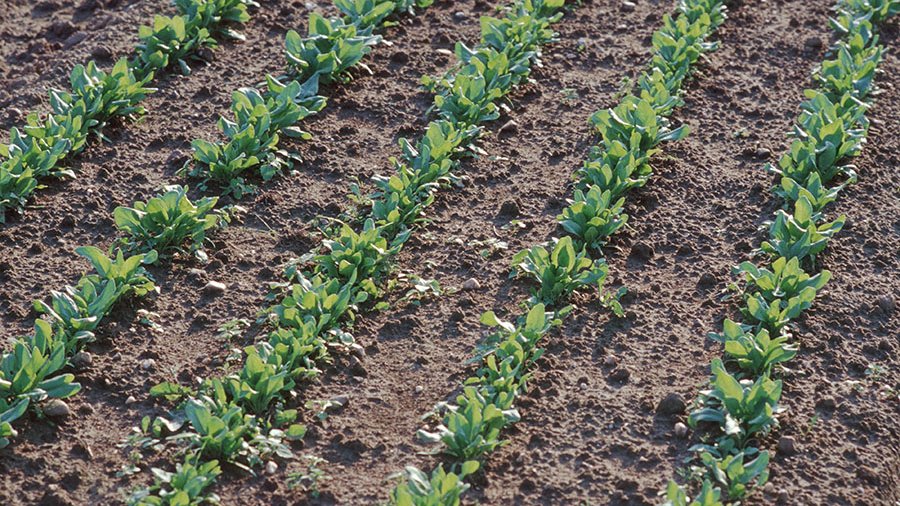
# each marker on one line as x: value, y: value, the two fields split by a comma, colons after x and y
x: 620, y: 374
x: 671, y: 404
x: 509, y: 209
x: 886, y: 304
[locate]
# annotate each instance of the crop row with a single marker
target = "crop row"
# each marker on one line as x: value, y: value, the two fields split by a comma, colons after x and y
x: 164, y: 226
x: 41, y: 147
x: 245, y: 417
x: 742, y: 401
x: 470, y: 429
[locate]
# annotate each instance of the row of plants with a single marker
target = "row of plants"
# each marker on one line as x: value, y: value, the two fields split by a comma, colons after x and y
x: 740, y: 407
x: 40, y: 148
x: 167, y: 225
x: 247, y: 418
x: 470, y: 428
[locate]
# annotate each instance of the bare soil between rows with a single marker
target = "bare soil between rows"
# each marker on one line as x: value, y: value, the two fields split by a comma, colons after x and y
x: 590, y: 433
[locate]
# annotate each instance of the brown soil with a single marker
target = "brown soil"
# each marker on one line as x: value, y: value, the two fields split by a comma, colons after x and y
x: 585, y: 437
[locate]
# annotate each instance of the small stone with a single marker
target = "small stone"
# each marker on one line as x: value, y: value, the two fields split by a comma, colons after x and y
x: 509, y: 208
x: 813, y: 43
x: 610, y: 361
x: 271, y: 467
x: 357, y: 350
x: 642, y: 251
x: 628, y: 6
x: 82, y: 360
x: 763, y: 152
x: 672, y: 404
x: 214, y: 287
x: 130, y: 400
x: 147, y: 364
x: 787, y: 445
x: 886, y: 304
x: 509, y: 127
x: 56, y: 408
x: 343, y: 400
x: 783, y: 496
x: 681, y: 430
x: 471, y: 284
x: 620, y: 374
x: 459, y: 15
x: 419, y: 389
x: 357, y: 367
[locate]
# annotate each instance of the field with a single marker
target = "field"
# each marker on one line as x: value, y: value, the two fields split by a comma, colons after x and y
x: 260, y: 374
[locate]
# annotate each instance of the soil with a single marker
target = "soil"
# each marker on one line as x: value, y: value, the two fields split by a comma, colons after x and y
x: 590, y: 433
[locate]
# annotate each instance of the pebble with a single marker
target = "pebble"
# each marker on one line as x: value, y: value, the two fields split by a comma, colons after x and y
x: 147, y: 364
x: 610, y: 361
x: 628, y: 6
x: 419, y: 389
x: 271, y: 467
x: 215, y: 287
x: 459, y: 15
x: 783, y: 496
x: 82, y: 360
x: 813, y: 43
x: 509, y: 127
x: 763, y: 152
x: 787, y: 445
x: 130, y: 400
x: 672, y: 404
x: 343, y: 400
x: 56, y: 408
x: 471, y: 284
x: 681, y: 430
x: 357, y: 350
